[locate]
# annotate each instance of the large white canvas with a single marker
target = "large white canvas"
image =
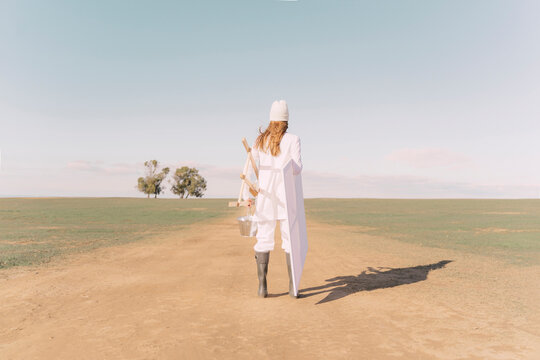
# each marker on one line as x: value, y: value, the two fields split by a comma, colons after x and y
x: 296, y: 216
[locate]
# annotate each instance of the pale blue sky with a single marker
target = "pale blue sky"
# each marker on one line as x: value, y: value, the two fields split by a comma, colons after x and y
x: 390, y: 99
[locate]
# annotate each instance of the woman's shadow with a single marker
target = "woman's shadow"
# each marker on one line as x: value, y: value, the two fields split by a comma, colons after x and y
x: 371, y: 279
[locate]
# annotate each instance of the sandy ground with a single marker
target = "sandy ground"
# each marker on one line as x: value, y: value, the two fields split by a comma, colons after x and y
x: 191, y: 295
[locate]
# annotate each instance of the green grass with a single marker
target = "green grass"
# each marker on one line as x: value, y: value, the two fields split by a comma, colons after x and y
x: 505, y: 228
x: 32, y: 231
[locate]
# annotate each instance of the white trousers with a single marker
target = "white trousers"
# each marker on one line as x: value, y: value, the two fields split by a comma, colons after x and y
x: 265, y: 236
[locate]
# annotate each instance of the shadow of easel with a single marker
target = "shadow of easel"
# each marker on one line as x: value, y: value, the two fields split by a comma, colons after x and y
x: 368, y: 280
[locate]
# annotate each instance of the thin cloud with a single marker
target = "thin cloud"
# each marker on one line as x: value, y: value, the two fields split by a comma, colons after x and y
x: 423, y: 158
x: 103, y: 168
x: 318, y: 184
x: 97, y: 178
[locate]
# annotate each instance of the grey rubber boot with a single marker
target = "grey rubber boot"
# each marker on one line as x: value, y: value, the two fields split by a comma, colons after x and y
x: 291, y: 288
x: 262, y: 269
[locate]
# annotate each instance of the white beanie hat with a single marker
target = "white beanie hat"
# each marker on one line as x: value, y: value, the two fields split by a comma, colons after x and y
x: 279, y: 111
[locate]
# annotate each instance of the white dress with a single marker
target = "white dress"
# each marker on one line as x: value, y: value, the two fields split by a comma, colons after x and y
x: 270, y: 203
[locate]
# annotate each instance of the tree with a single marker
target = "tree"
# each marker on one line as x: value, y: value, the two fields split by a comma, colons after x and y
x: 188, y: 182
x: 151, y: 183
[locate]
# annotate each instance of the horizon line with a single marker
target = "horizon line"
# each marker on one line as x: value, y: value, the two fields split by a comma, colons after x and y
x: 29, y: 197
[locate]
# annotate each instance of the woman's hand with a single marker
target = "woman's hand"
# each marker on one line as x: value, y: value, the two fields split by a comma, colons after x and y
x: 250, y: 203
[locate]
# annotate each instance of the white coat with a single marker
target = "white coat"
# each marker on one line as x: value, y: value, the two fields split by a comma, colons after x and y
x: 270, y: 203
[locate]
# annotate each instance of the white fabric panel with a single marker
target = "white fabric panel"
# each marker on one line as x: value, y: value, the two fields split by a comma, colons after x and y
x: 296, y: 216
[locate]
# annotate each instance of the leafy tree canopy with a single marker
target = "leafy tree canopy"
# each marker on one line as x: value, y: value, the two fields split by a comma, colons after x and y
x: 151, y: 183
x: 188, y: 182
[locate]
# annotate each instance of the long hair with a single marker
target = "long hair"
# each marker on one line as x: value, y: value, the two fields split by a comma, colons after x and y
x: 270, y: 138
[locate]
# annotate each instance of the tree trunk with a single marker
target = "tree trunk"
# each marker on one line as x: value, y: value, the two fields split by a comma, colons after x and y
x: 148, y: 196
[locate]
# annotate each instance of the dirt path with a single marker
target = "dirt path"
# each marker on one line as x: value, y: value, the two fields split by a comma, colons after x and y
x: 192, y: 295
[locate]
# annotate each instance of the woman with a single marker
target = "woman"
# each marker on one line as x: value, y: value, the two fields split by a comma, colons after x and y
x: 273, y: 148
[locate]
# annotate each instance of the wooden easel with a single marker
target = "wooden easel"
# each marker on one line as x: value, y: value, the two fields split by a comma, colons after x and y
x: 253, y: 189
